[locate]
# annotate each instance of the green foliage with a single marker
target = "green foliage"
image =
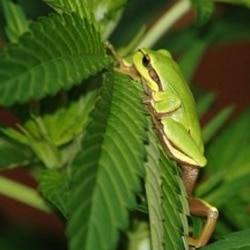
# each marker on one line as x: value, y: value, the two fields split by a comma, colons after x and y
x: 204, y: 10
x: 166, y: 198
x: 106, y: 12
x: 228, y: 183
x: 84, y: 134
x: 239, y: 240
x: 175, y: 208
x: 16, y: 22
x: 153, y: 185
x: 69, y: 7
x: 13, y: 154
x: 74, y: 53
x: 54, y: 186
x: 218, y: 121
x: 231, y: 156
x: 106, y: 171
x: 68, y: 120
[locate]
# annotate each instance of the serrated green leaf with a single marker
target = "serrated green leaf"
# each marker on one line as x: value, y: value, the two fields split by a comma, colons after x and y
x: 106, y: 12
x: 204, y: 10
x: 34, y: 135
x: 54, y: 186
x: 39, y: 65
x: 82, y: 8
x: 17, y: 24
x: 68, y: 121
x: 239, y: 240
x: 106, y: 173
x: 153, y: 184
x: 167, y: 203
x: 175, y: 207
x: 13, y: 154
x: 53, y: 136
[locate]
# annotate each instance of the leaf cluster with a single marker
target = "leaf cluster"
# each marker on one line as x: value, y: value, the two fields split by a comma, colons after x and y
x: 84, y: 134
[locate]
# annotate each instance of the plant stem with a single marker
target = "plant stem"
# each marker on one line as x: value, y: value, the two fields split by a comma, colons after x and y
x: 164, y: 23
x: 22, y: 193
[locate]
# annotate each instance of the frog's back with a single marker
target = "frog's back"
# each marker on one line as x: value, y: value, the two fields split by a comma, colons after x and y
x: 187, y: 113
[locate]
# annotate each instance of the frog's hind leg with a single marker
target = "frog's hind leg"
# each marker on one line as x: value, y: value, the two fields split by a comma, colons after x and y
x: 198, y: 207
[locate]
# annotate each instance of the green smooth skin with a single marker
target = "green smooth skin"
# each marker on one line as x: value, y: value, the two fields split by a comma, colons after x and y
x: 173, y: 105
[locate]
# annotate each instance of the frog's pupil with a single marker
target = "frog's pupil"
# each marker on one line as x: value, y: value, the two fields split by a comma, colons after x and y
x: 145, y: 60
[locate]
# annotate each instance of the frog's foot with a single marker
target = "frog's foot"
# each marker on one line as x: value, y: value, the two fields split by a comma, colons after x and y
x: 198, y: 207
x: 201, y: 208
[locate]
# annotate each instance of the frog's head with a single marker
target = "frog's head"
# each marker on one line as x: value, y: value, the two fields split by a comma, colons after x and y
x: 143, y: 61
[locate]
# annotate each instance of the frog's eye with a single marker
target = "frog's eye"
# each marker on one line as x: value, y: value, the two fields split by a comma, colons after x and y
x: 146, y: 61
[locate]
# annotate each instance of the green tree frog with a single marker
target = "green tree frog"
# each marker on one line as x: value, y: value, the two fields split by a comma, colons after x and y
x: 173, y: 109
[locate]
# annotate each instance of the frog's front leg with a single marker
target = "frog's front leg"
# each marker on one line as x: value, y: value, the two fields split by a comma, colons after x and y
x: 164, y: 103
x: 198, y: 207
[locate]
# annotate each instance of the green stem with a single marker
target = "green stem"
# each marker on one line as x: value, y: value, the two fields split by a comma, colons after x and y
x: 22, y: 193
x: 164, y: 23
